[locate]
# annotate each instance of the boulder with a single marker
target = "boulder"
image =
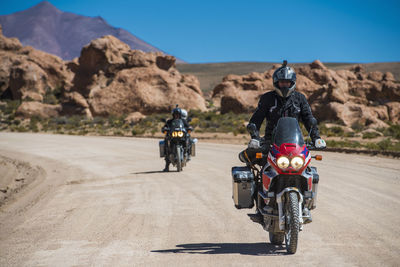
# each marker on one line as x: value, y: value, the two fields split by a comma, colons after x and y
x: 394, y: 111
x: 27, y: 79
x: 9, y: 44
x: 29, y: 74
x: 74, y: 103
x: 30, y: 109
x: 388, y: 76
x: 146, y: 90
x: 134, y: 117
x: 117, y: 80
x: 376, y: 76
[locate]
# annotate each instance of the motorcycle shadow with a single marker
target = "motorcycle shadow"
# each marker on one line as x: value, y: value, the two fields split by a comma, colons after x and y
x: 254, y: 249
x: 150, y: 172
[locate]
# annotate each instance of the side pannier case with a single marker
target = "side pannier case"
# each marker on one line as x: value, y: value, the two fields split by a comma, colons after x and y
x: 193, y: 147
x: 161, y: 144
x: 243, y: 187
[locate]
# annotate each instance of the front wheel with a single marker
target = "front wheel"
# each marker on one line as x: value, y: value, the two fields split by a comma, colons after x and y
x: 178, y: 159
x: 292, y: 222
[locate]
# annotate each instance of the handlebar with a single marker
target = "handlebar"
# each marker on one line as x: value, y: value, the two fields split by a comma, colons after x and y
x: 312, y: 147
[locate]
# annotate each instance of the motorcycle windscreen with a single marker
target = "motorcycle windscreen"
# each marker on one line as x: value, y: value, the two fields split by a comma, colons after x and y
x: 177, y: 123
x: 288, y: 131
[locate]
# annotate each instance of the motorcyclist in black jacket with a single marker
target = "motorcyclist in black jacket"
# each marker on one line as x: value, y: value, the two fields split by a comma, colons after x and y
x: 284, y: 101
x: 176, y: 114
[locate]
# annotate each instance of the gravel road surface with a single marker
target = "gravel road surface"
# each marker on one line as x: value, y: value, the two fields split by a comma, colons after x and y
x: 103, y: 201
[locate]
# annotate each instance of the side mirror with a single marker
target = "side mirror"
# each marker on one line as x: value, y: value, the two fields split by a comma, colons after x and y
x: 189, y: 119
x: 163, y: 120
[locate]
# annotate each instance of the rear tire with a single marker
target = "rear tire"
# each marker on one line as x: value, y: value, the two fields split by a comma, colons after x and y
x: 292, y: 222
x: 178, y: 159
x: 276, y: 238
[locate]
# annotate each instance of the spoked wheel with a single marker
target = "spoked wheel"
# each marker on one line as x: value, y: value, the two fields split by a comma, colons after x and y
x: 276, y: 238
x: 292, y: 222
x: 178, y: 159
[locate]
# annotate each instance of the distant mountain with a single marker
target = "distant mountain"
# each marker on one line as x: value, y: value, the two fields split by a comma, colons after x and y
x: 49, y: 29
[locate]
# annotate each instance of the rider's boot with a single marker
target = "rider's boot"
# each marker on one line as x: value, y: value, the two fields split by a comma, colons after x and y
x: 256, y: 217
x: 166, y: 169
x: 307, y: 216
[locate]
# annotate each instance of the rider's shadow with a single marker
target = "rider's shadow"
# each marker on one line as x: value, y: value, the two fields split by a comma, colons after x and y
x: 254, y: 249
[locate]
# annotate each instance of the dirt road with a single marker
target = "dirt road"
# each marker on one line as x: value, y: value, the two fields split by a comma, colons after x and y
x: 104, y: 202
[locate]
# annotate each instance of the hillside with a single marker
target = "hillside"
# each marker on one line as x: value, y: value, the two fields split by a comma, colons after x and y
x: 211, y: 74
x: 51, y: 30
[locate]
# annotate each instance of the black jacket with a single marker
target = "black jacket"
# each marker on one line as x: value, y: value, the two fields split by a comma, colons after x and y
x: 168, y: 123
x: 272, y: 107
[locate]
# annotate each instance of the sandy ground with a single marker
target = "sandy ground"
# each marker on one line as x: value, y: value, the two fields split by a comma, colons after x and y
x: 102, y: 201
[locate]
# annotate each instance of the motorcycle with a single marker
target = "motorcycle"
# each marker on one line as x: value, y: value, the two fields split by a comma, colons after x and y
x: 281, y: 182
x: 177, y: 144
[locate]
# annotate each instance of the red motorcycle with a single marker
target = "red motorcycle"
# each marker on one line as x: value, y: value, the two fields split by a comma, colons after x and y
x: 280, y: 181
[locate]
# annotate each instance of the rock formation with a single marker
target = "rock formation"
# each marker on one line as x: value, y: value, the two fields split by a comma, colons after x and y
x: 117, y: 80
x: 28, y: 74
x: 349, y: 96
x: 108, y: 78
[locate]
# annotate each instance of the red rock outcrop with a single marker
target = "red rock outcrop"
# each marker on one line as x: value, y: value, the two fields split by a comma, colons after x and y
x: 117, y: 80
x: 32, y: 108
x: 29, y: 74
x: 108, y: 78
x: 350, y: 96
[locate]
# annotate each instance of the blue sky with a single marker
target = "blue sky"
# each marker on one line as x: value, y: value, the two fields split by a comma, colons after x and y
x: 254, y: 30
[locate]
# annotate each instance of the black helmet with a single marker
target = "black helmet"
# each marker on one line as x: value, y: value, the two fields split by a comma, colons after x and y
x: 176, y: 112
x: 284, y: 73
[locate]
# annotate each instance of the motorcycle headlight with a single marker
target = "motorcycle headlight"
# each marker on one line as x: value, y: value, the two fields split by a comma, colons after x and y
x: 174, y: 134
x: 180, y: 133
x: 283, y: 162
x: 297, y: 163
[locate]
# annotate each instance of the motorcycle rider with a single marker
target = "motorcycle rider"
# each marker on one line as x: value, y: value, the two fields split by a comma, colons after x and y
x: 176, y: 114
x: 184, y: 115
x: 284, y: 101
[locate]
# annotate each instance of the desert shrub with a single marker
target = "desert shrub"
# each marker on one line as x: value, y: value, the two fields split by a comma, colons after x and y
x: 393, y: 130
x: 75, y: 121
x: 358, y: 127
x: 33, y: 124
x: 345, y: 143
x: 98, y: 120
x: 336, y: 131
x: 371, y: 146
x: 385, y: 144
x: 52, y: 96
x: 11, y: 106
x: 59, y: 120
x: 83, y: 132
x: 137, y: 130
x: 116, y: 121
x: 370, y: 135
x: 349, y: 134
x: 118, y: 133
x: 18, y: 128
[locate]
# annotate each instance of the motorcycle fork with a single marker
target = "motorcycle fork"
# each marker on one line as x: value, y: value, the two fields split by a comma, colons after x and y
x: 281, y: 200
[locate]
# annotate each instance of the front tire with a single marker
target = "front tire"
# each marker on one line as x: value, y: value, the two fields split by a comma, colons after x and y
x: 178, y: 159
x: 292, y: 222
